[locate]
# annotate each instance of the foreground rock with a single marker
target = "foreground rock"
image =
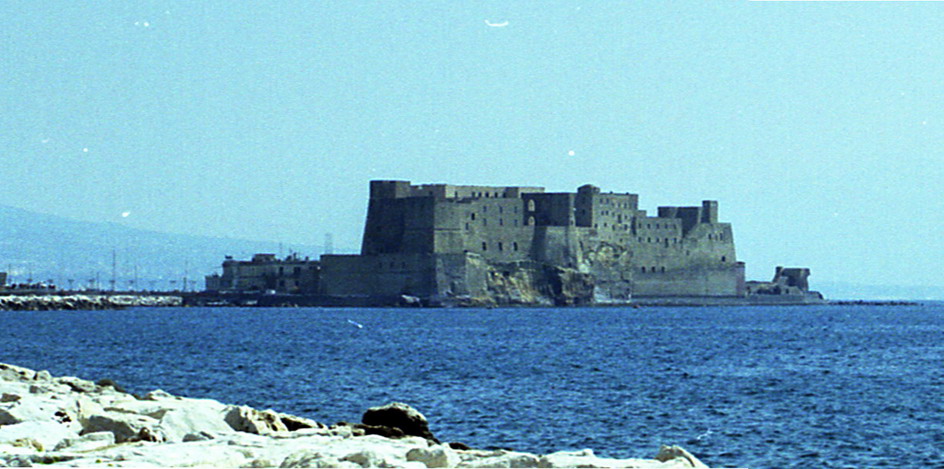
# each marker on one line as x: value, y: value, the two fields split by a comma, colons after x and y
x: 68, y: 421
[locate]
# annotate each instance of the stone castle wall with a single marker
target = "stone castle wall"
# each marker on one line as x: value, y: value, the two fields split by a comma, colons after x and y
x: 428, y: 240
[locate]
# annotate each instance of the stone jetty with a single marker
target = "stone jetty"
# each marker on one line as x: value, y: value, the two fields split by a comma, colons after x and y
x: 84, y: 302
x: 67, y: 421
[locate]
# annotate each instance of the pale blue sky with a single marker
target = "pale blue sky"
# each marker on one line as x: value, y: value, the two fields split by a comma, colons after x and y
x: 819, y: 126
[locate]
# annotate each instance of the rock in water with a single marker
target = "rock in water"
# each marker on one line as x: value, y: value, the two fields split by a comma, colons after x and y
x: 399, y: 415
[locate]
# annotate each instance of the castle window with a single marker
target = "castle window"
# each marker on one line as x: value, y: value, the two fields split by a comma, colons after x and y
x: 643, y: 270
x: 653, y: 269
x: 501, y: 222
x: 531, y: 205
x: 466, y: 226
x: 663, y: 269
x: 473, y: 215
x: 515, y: 221
x: 484, y: 246
x: 500, y: 209
x: 501, y: 247
x: 530, y: 221
x: 514, y: 246
x: 724, y: 258
x: 648, y: 225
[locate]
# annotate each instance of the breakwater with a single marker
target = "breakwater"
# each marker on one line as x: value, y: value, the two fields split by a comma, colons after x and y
x: 84, y: 302
x: 68, y: 421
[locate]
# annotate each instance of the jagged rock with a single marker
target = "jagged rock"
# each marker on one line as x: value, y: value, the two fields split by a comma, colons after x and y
x: 295, y: 423
x: 105, y: 382
x: 436, y: 456
x: 497, y: 458
x: 125, y: 427
x: 387, y: 432
x: 87, y: 442
x: 45, y: 433
x: 307, y: 458
x: 676, y: 453
x: 77, y: 385
x: 28, y: 410
x: 399, y: 415
x: 249, y: 420
x: 178, y: 423
x: 368, y: 458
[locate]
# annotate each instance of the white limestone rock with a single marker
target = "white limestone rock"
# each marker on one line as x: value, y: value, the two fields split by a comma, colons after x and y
x: 45, y: 433
x: 497, y: 458
x: 87, y: 442
x: 73, y: 422
x: 435, y: 456
x: 249, y: 420
x: 678, y: 455
x: 125, y: 427
x: 310, y: 458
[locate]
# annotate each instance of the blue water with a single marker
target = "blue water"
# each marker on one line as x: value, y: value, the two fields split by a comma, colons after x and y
x: 829, y: 386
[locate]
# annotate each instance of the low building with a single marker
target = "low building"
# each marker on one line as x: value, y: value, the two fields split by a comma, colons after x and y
x: 267, y: 273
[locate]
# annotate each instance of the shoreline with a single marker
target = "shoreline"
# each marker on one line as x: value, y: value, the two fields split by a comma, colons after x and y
x: 68, y: 421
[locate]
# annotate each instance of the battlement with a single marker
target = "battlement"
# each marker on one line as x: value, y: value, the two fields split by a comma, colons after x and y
x: 404, y: 189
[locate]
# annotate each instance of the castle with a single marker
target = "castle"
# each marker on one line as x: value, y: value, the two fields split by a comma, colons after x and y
x: 445, y: 244
x: 442, y: 241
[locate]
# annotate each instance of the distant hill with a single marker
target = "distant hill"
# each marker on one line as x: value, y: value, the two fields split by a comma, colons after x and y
x: 46, y: 247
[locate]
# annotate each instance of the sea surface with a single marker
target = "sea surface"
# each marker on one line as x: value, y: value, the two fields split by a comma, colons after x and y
x: 763, y: 387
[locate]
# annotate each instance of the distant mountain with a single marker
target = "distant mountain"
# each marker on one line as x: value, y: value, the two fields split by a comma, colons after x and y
x: 46, y: 247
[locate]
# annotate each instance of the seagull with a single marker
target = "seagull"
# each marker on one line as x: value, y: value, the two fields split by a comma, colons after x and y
x: 359, y: 326
x: 496, y: 25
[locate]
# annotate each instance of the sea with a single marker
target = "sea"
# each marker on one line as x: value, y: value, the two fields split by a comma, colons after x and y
x: 765, y: 387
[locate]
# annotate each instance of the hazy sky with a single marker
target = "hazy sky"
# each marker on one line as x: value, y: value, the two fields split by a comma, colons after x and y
x: 818, y: 126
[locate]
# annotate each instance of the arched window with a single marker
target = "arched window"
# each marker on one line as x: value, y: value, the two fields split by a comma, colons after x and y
x: 531, y: 205
x: 530, y: 221
x: 643, y: 270
x: 484, y: 246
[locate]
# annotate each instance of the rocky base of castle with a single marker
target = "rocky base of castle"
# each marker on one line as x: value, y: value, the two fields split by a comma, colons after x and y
x: 69, y: 421
x: 84, y: 302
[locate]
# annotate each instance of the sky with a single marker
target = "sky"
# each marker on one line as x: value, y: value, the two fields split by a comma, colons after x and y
x: 818, y: 126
